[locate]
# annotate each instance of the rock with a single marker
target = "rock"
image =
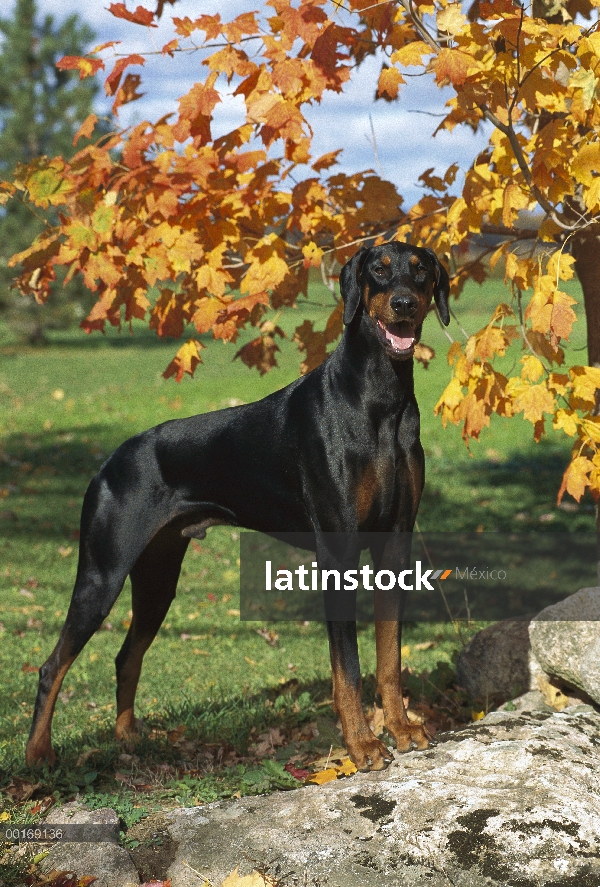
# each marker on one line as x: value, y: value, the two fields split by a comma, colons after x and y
x: 105, y: 860
x: 513, y: 799
x: 565, y: 640
x: 496, y: 661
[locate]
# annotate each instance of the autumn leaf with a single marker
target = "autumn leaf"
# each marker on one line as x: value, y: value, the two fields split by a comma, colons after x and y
x: 86, y: 129
x: 575, y: 478
x: 452, y: 66
x: 255, y: 879
x: 86, y: 66
x: 139, y: 16
x: 114, y: 78
x: 185, y: 361
x: 389, y: 81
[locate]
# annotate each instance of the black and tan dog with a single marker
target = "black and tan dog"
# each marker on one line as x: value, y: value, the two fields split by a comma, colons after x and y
x: 335, y: 452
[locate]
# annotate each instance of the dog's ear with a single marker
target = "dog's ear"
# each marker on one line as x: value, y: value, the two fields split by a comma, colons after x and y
x: 350, y: 285
x: 441, y: 290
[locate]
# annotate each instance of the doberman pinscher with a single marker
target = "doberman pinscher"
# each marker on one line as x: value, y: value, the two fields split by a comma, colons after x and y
x: 335, y: 452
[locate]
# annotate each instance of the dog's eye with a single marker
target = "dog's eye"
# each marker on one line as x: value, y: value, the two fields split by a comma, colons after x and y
x: 379, y: 272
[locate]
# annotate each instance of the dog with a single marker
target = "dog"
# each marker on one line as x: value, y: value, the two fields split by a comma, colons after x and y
x: 335, y: 452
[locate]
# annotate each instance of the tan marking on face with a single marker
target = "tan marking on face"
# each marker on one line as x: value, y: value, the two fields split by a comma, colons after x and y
x: 379, y: 306
x: 414, y: 260
x: 385, y: 260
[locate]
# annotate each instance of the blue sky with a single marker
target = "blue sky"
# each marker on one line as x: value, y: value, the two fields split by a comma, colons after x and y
x: 403, y: 130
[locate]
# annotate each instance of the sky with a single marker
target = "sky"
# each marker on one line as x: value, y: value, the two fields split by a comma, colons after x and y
x: 403, y: 130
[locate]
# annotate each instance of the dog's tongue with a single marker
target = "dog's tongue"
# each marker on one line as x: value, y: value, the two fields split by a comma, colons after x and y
x: 400, y: 335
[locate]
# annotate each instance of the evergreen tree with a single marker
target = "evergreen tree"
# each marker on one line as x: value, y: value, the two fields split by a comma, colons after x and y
x: 41, y: 108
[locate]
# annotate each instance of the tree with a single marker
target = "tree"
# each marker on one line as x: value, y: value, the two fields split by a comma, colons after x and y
x: 41, y: 108
x: 203, y: 218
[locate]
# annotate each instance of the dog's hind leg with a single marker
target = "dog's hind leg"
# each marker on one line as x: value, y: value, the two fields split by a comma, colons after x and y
x: 153, y: 583
x: 93, y: 597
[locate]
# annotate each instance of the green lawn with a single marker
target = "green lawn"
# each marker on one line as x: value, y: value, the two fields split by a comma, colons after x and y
x: 63, y: 409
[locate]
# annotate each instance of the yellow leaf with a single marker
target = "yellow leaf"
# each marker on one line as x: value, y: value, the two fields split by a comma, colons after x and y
x: 533, y: 368
x: 253, y: 880
x: 566, y: 420
x: 324, y: 776
x: 514, y: 199
x: 312, y: 255
x: 563, y: 263
x: 477, y: 715
x: 586, y: 163
x: 262, y: 276
x: 575, y: 478
x: 411, y: 53
x: 534, y: 400
x: 451, y: 20
x: 586, y: 381
x: 347, y: 768
x: 4, y: 816
x: 389, y: 81
x: 449, y: 401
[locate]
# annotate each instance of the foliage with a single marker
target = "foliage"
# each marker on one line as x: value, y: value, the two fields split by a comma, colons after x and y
x: 41, y: 107
x: 223, y: 228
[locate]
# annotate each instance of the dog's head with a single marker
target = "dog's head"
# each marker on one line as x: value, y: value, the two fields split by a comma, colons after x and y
x: 395, y: 283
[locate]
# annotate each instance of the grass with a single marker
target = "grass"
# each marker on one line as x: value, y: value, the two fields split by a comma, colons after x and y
x: 212, y: 686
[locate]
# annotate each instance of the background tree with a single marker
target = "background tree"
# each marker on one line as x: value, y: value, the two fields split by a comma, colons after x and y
x: 41, y: 108
x: 227, y: 227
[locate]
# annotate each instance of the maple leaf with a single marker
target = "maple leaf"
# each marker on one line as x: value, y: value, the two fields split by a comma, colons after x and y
x: 389, y: 81
x: 139, y: 16
x: 114, y: 78
x: 185, y: 361
x: 575, y: 479
x: 86, y: 129
x: 451, y: 20
x: 312, y: 255
x: 452, y: 66
x: 533, y: 400
x: 86, y: 66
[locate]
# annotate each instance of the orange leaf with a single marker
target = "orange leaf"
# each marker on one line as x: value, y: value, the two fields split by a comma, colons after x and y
x: 86, y: 66
x: 139, y: 16
x: 86, y: 129
x: 452, y: 66
x: 114, y: 78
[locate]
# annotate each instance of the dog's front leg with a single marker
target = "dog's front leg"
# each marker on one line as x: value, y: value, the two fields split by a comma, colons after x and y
x: 336, y: 553
x: 389, y: 687
x: 393, y: 555
x: 366, y: 751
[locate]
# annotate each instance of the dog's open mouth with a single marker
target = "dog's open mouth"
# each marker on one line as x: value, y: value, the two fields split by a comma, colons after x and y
x: 400, y: 338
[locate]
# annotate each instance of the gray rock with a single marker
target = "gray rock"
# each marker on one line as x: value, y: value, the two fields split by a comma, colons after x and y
x: 496, y: 661
x: 513, y: 799
x: 565, y: 640
x: 105, y: 860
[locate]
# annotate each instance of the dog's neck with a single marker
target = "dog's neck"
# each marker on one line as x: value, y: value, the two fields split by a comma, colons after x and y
x: 361, y: 354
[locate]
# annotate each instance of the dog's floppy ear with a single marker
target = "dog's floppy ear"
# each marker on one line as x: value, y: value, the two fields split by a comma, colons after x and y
x: 441, y: 290
x: 350, y: 286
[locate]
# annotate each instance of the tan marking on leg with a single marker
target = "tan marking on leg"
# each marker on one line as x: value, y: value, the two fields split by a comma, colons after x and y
x: 389, y: 687
x: 39, y: 745
x: 365, y: 750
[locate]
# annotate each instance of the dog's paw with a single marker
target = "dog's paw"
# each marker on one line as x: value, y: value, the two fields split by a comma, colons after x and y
x: 370, y: 754
x: 409, y: 736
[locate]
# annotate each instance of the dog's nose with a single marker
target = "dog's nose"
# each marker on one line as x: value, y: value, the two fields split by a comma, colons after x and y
x: 403, y: 305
